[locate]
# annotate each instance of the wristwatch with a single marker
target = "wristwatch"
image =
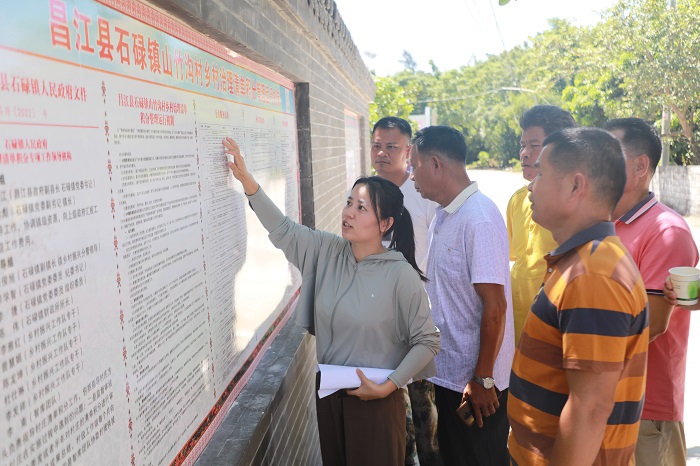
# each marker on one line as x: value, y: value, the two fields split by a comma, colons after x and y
x: 487, y: 382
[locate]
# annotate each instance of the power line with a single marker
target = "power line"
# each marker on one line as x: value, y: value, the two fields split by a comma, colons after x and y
x: 506, y: 58
x: 472, y: 17
x: 479, y: 94
x: 480, y: 23
x: 495, y: 20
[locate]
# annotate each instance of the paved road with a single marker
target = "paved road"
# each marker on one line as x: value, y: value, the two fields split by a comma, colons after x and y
x: 499, y: 186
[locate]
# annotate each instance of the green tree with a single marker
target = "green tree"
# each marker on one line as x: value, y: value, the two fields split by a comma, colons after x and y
x: 391, y: 99
x: 434, y: 68
x: 572, y: 71
x: 452, y: 99
x: 479, y: 101
x: 420, y: 86
x: 641, y: 56
x: 408, y: 62
x: 654, y: 50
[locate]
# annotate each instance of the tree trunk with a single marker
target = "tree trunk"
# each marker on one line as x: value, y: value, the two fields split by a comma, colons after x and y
x: 695, y: 149
x: 688, y: 131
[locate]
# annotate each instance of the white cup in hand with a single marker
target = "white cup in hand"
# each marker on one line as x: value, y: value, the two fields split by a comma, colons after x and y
x: 686, y: 281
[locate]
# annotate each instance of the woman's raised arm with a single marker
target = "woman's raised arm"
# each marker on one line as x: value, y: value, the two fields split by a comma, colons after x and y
x: 239, y: 169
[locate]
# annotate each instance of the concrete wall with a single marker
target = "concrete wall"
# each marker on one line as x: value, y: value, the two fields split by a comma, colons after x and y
x: 273, y: 421
x: 679, y: 188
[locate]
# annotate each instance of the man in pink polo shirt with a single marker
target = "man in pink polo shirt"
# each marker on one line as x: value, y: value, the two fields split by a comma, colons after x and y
x: 658, y: 239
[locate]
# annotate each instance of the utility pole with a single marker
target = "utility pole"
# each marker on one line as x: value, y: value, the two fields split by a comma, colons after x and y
x: 666, y: 122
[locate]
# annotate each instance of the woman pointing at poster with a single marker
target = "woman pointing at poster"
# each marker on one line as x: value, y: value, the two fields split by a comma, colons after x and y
x: 367, y: 307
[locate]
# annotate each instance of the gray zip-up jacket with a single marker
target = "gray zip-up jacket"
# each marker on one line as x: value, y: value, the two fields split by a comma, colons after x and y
x: 372, y: 313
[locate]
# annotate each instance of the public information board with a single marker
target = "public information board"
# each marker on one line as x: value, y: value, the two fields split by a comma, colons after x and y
x: 136, y: 285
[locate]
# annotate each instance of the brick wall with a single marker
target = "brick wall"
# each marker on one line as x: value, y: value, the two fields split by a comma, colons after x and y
x: 272, y: 422
x: 679, y: 188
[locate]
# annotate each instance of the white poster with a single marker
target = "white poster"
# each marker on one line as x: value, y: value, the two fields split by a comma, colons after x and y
x: 136, y: 285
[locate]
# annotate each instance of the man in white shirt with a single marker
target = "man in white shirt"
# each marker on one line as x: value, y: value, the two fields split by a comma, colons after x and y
x: 391, y: 143
x: 469, y: 289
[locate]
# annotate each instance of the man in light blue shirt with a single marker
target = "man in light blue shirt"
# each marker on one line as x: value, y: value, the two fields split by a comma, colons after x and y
x: 469, y: 288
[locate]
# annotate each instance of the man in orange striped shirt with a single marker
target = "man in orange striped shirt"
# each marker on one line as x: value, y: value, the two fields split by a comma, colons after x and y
x: 578, y: 377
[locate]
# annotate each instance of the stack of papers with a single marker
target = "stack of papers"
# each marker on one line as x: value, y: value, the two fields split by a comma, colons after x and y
x: 334, y: 378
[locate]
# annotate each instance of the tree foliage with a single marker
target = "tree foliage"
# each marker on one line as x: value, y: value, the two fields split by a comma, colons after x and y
x: 655, y: 51
x: 640, y: 56
x: 391, y: 99
x: 408, y: 62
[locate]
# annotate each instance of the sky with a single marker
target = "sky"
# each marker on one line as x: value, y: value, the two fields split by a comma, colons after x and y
x: 452, y: 32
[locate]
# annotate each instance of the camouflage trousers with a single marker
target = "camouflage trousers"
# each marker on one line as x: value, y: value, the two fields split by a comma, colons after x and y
x: 421, y: 425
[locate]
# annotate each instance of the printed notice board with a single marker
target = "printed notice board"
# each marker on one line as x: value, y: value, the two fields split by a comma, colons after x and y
x: 136, y: 286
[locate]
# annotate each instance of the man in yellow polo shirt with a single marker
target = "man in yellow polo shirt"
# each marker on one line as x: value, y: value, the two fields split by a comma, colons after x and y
x: 529, y: 242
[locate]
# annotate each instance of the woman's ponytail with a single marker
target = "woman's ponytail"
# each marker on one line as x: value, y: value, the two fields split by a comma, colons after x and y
x: 404, y: 240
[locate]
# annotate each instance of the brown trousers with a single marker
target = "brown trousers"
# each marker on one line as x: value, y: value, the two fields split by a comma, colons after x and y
x: 362, y: 433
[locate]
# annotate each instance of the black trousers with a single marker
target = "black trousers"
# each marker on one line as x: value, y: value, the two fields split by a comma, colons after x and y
x: 353, y: 432
x: 471, y: 446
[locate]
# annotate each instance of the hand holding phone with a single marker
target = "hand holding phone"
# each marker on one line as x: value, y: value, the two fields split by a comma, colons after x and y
x: 465, y: 414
